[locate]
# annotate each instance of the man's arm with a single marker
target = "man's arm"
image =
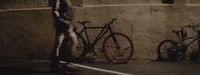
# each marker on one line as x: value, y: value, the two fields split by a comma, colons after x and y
x: 56, y: 8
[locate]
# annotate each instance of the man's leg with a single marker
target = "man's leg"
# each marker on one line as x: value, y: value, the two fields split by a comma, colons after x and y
x: 66, y: 52
x: 55, y: 53
x: 73, y: 42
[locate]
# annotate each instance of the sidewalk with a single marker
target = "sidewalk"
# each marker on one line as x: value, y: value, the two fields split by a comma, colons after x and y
x: 25, y: 67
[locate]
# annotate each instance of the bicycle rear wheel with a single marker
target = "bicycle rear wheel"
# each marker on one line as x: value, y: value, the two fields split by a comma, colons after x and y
x: 167, y: 51
x: 118, y: 48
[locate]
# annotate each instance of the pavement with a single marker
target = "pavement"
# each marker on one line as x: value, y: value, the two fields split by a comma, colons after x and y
x: 41, y: 67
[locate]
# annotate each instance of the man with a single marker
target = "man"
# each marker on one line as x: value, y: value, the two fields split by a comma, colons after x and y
x: 65, y: 39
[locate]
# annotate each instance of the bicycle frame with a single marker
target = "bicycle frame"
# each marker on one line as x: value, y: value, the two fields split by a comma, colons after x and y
x: 177, y: 50
x: 182, y: 41
x: 110, y: 43
x: 103, y: 31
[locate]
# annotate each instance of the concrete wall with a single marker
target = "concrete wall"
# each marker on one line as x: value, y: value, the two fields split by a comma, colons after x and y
x: 30, y: 34
x: 99, y: 2
x: 26, y: 34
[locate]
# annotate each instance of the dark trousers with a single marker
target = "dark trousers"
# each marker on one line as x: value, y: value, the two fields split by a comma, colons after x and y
x: 61, y: 50
x: 61, y: 47
x: 65, y: 44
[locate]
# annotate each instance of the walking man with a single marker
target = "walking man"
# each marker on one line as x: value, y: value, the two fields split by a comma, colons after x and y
x: 65, y: 39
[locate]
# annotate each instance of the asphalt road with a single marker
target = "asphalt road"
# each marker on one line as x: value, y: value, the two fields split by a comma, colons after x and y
x: 24, y: 67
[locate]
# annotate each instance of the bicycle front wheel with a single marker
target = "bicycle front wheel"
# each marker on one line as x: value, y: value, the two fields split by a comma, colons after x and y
x: 118, y: 48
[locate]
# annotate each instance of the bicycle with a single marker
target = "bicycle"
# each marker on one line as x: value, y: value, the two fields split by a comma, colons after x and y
x: 117, y: 47
x: 169, y: 50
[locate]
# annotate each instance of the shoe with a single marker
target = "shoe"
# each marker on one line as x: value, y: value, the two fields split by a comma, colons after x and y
x: 69, y: 59
x: 70, y: 68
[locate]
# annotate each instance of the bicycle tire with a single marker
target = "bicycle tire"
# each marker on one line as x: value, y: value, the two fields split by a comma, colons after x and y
x: 108, y: 53
x: 81, y: 48
x: 167, y: 51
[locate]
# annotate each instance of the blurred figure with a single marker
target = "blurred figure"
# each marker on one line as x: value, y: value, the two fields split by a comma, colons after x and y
x: 65, y: 38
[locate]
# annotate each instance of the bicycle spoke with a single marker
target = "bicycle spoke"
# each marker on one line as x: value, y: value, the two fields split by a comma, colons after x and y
x: 127, y: 48
x: 120, y: 52
x: 110, y: 46
x: 166, y: 50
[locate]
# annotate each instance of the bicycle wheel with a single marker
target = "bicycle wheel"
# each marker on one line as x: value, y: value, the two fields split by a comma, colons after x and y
x: 167, y: 51
x: 118, y: 49
x: 81, y: 49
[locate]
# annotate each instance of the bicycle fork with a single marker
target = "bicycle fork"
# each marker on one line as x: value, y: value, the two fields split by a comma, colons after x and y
x: 115, y: 41
x: 114, y: 38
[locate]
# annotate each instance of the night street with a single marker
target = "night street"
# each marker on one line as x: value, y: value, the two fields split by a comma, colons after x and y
x: 100, y: 33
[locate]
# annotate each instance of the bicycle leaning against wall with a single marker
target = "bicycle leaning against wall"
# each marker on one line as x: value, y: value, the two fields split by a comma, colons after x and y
x: 169, y: 50
x: 117, y: 47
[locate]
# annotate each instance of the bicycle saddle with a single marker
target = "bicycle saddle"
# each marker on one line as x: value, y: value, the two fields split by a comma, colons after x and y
x: 83, y: 22
x: 176, y: 31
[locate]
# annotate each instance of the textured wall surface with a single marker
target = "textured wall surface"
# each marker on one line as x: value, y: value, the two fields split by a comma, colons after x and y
x: 99, y: 2
x: 26, y: 34
x: 6, y: 4
x: 30, y: 33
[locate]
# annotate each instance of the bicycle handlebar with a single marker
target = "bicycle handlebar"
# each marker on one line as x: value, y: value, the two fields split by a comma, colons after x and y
x: 114, y: 19
x: 111, y: 22
x: 195, y: 27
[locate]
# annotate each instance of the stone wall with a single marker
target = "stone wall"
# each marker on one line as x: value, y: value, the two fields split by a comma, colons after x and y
x: 30, y: 33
